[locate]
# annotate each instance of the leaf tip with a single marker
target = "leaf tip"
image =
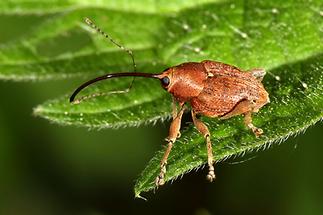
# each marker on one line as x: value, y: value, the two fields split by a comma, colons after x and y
x: 37, y: 111
x: 137, y: 195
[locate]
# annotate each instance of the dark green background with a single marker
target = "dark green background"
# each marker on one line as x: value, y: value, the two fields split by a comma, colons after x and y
x: 50, y: 169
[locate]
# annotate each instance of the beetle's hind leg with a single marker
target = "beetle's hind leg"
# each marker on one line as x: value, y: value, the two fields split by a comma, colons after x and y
x: 173, y: 135
x: 205, y: 131
x: 246, y: 108
x: 248, y: 123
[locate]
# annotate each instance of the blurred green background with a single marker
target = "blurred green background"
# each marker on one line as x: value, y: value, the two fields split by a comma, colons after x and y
x: 50, y: 169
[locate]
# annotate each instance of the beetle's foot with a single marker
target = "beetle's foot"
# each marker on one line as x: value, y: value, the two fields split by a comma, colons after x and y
x: 160, y: 179
x: 211, y: 175
x: 257, y: 131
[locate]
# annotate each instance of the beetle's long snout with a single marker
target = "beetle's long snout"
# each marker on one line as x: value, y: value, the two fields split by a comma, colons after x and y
x: 113, y: 75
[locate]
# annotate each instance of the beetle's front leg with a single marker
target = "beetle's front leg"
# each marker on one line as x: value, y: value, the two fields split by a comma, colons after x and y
x: 175, y: 113
x: 173, y: 134
x: 205, y: 131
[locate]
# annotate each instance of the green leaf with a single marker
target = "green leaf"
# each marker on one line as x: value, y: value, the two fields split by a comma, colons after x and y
x: 286, y: 40
x: 145, y: 103
x: 296, y: 103
x: 284, y: 37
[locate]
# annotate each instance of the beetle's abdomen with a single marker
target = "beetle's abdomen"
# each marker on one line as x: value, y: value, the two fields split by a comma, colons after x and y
x: 222, y: 93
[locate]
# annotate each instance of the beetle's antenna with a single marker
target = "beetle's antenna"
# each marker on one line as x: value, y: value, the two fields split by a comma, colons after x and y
x: 90, y: 23
x: 108, y: 76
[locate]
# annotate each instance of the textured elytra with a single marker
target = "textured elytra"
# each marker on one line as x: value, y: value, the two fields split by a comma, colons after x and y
x: 228, y: 91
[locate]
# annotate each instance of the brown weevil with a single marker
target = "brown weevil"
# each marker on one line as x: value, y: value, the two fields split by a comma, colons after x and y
x: 212, y: 89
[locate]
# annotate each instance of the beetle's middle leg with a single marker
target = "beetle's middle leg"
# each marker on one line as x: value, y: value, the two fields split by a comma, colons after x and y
x: 205, y: 131
x: 173, y: 135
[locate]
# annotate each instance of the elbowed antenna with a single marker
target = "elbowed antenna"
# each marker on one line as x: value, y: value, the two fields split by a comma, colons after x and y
x: 113, y: 75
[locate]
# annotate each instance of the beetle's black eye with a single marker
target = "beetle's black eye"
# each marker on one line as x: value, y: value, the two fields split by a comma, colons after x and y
x: 165, y: 81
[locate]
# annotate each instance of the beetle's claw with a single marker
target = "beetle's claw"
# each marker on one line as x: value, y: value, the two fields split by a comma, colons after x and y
x: 160, y: 179
x: 211, y: 175
x: 257, y: 131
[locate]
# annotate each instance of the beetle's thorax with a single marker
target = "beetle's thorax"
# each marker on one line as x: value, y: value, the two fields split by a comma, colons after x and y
x: 187, y: 80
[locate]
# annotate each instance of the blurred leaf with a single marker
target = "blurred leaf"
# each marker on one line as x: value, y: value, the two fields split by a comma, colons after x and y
x: 54, y: 42
x: 143, y: 6
x: 285, y: 38
x: 62, y: 46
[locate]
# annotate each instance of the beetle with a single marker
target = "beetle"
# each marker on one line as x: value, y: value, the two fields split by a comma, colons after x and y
x: 212, y: 89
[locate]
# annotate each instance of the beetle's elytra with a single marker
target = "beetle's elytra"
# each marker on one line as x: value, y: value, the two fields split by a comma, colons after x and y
x: 212, y: 89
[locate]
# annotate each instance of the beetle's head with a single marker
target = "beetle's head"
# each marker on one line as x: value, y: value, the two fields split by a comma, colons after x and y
x: 166, y: 78
x: 184, y: 81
